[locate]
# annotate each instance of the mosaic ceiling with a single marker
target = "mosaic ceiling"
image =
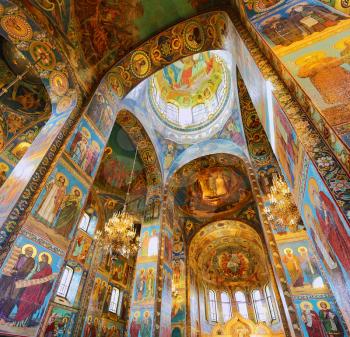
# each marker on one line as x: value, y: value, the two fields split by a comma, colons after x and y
x: 211, y: 186
x: 190, y: 100
x: 191, y: 93
x: 24, y: 108
x: 115, y: 169
x: 228, y: 253
x: 95, y: 33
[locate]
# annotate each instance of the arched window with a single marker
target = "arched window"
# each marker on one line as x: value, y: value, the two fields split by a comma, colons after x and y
x: 88, y: 223
x: 259, y: 306
x: 225, y: 306
x: 84, y: 221
x: 65, y: 281
x: 113, y: 304
x: 213, y: 306
x: 270, y: 303
x: 241, y: 304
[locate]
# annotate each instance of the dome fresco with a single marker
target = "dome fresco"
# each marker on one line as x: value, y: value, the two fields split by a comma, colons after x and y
x: 228, y: 252
x: 191, y: 98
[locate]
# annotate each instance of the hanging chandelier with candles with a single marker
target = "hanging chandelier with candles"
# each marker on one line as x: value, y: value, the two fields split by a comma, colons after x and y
x: 281, y: 210
x: 119, y: 236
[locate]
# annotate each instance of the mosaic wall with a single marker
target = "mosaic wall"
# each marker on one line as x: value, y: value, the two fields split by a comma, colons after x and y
x: 55, y: 213
x: 309, y: 45
x: 306, y: 277
x: 144, y: 293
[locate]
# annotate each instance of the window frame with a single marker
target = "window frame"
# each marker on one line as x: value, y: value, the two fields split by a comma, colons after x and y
x: 115, y: 303
x: 245, y: 303
x: 256, y: 303
x: 270, y: 301
x: 213, y: 314
x: 71, y: 269
x: 120, y: 303
x: 229, y: 303
x: 85, y: 214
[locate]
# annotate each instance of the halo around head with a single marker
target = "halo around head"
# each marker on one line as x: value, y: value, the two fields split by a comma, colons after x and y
x: 59, y: 175
x: 85, y: 132
x: 76, y: 188
x: 4, y: 167
x: 304, y: 303
x: 312, y: 186
x: 95, y: 145
x: 308, y: 214
x: 325, y: 302
x: 28, y: 245
x: 302, y: 248
x: 287, y: 250
x: 342, y: 44
x: 49, y: 257
x: 310, y: 59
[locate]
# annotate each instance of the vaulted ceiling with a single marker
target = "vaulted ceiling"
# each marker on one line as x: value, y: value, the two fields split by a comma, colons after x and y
x: 96, y: 33
x: 229, y: 254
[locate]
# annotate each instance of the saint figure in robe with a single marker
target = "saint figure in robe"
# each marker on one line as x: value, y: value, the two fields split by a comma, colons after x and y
x: 69, y: 213
x: 330, y: 320
x: 135, y: 325
x: 312, y: 322
x: 146, y: 325
x: 293, y: 266
x: 35, y: 293
x: 9, y: 294
x: 52, y: 200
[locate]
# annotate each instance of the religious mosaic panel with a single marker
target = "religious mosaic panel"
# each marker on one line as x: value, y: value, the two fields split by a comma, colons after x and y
x: 294, y: 24
x: 85, y: 148
x: 319, y: 317
x: 287, y: 147
x: 91, y: 325
x: 60, y: 322
x: 141, y: 322
x: 58, y: 206
x: 302, y: 270
x: 165, y: 320
x: 322, y: 70
x: 26, y: 283
x: 327, y: 228
x: 81, y: 248
x: 99, y: 292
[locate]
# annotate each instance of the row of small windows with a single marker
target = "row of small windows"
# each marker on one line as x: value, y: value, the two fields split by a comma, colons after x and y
x: 260, y: 303
x: 115, y: 304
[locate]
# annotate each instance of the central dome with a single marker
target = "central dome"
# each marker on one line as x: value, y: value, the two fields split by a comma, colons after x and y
x: 190, y: 95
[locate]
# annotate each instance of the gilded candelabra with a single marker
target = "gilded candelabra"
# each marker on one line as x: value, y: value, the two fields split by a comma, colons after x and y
x: 281, y: 210
x: 119, y: 236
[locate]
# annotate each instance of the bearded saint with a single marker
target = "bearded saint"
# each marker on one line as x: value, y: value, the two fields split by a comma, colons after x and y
x: 69, y: 214
x: 34, y: 295
x: 313, y: 323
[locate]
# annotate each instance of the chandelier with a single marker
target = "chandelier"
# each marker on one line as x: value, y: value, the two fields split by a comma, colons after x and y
x: 119, y: 236
x: 281, y: 210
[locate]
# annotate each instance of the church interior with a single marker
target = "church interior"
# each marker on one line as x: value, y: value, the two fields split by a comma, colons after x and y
x: 175, y: 168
